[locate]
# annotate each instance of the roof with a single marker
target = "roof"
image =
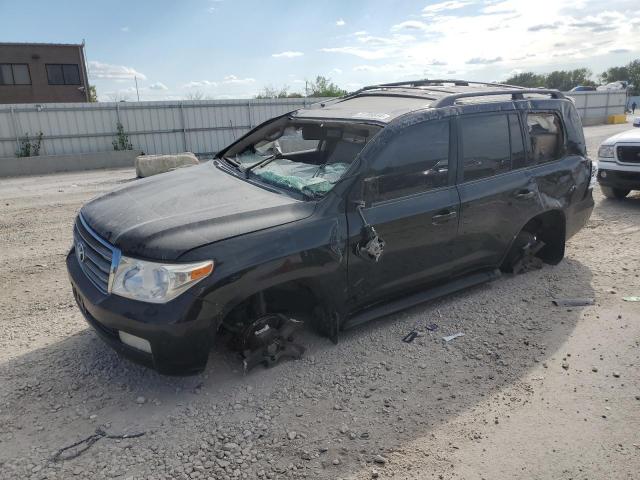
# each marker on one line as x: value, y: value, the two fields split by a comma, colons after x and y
x: 34, y: 44
x: 382, y: 103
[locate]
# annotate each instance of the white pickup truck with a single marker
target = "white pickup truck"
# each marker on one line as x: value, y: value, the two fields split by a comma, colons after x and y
x: 619, y: 164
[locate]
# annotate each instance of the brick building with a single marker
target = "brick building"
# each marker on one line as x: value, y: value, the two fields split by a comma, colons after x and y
x: 43, y: 73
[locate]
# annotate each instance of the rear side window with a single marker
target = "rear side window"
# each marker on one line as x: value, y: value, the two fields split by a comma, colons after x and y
x: 414, y: 161
x: 486, y: 149
x: 545, y: 137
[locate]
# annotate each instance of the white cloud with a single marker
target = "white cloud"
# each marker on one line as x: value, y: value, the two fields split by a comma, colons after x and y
x: 287, y: 54
x: 409, y: 25
x: 232, y: 79
x: 483, y: 61
x: 337, y: 71
x: 497, y: 38
x: 367, y: 54
x: 124, y: 29
x: 360, y: 33
x: 158, y: 86
x: 340, y: 23
x: 430, y: 10
x: 113, y: 72
x: 200, y: 84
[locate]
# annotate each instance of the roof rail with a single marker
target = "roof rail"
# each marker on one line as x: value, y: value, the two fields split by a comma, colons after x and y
x: 427, y: 82
x: 458, y: 83
x: 450, y: 100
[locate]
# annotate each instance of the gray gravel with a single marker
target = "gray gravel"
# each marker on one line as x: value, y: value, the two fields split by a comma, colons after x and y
x: 495, y: 403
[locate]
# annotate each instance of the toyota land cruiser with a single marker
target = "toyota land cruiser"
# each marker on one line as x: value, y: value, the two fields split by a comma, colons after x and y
x: 337, y: 213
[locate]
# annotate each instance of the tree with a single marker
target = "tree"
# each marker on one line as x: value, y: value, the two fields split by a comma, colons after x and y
x: 526, y: 79
x: 93, y: 94
x: 197, y: 95
x: 563, y: 80
x: 272, y: 92
x: 118, y: 97
x: 629, y: 72
x: 324, y: 87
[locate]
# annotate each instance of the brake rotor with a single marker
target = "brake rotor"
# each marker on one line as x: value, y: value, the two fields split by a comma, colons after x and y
x: 268, y: 339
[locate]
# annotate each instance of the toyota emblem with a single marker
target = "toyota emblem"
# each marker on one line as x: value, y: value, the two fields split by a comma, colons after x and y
x: 80, y: 251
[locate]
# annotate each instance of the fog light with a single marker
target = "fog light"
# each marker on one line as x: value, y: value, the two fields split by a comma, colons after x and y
x: 135, y: 342
x: 603, y: 174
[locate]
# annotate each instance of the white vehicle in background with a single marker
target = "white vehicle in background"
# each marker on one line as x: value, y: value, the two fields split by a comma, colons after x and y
x: 619, y: 85
x: 636, y: 122
x: 619, y: 164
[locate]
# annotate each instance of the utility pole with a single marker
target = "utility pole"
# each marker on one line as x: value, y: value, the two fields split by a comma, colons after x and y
x: 137, y: 92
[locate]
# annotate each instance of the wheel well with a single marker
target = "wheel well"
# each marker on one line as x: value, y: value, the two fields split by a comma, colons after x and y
x: 294, y: 298
x: 550, y: 227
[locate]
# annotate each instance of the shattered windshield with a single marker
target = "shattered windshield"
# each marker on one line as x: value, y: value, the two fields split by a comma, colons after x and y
x: 307, y: 157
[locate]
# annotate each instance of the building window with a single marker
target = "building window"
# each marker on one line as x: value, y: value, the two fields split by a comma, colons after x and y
x: 14, y: 74
x: 63, y: 74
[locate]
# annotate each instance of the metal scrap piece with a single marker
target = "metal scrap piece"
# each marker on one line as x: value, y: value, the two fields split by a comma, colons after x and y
x: 573, y: 302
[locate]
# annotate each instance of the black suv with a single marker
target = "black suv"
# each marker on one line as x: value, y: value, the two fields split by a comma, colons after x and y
x: 335, y: 214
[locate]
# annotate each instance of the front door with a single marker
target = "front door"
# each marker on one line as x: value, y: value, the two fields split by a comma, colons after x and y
x: 414, y: 210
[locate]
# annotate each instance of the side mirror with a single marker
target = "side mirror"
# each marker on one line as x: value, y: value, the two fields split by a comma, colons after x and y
x: 369, y: 190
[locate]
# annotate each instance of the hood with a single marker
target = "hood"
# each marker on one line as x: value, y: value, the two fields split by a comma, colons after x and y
x: 632, y: 135
x: 164, y: 216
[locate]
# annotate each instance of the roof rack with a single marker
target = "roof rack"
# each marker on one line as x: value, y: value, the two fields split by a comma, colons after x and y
x: 450, y: 100
x: 435, y: 82
x: 457, y: 83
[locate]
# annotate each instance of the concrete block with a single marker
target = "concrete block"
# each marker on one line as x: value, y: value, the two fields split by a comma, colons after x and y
x: 45, y: 164
x: 147, y: 165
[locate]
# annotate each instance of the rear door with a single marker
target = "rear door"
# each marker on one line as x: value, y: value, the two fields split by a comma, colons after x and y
x: 498, y: 194
x: 414, y: 210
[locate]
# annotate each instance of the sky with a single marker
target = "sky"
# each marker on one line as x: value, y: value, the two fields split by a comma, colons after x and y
x: 234, y: 48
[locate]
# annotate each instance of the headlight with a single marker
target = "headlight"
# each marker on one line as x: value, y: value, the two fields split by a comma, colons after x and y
x: 605, y: 151
x: 156, y: 282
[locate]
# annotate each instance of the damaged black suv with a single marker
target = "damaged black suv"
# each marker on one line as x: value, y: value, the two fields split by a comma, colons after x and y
x: 335, y: 214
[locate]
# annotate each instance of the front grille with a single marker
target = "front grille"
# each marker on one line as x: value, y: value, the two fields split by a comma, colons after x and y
x: 629, y: 153
x: 95, y: 256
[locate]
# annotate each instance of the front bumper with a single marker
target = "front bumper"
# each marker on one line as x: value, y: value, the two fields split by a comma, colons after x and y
x: 179, y: 331
x: 628, y: 179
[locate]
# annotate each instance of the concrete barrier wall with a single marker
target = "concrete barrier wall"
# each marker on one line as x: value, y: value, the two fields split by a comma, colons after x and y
x: 595, y: 107
x: 44, y: 164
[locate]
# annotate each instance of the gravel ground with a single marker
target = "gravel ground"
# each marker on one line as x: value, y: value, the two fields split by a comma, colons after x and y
x: 532, y: 391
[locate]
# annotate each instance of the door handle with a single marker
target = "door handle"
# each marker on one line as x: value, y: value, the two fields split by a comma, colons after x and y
x: 443, y: 217
x: 524, y: 194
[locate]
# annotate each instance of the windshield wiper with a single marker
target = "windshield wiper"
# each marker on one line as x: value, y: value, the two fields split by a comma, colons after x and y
x: 233, y: 162
x: 262, y: 163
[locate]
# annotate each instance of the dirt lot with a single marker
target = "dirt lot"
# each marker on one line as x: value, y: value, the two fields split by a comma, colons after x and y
x: 532, y: 391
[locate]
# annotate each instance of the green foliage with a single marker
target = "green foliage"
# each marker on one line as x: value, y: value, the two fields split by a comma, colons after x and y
x: 93, y: 94
x: 629, y: 72
x: 283, y: 92
x: 563, y: 80
x: 29, y: 148
x: 527, y: 79
x: 122, y: 141
x: 324, y: 87
x: 321, y: 87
